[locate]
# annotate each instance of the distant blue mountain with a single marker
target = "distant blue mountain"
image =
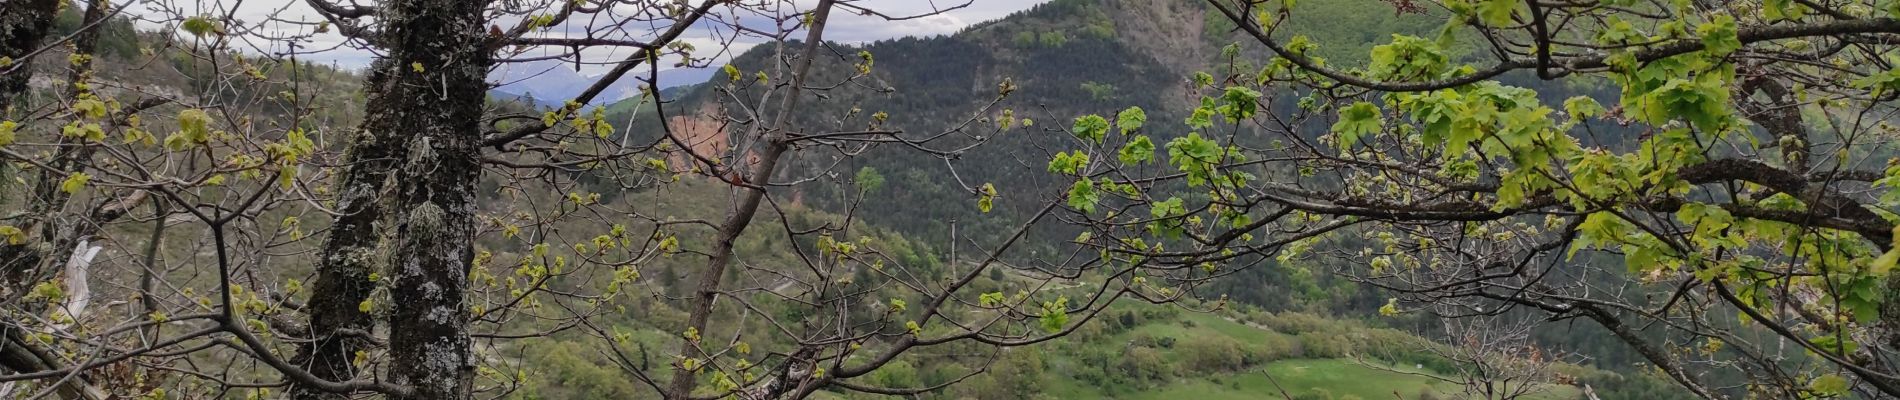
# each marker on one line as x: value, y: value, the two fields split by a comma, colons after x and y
x: 552, y: 82
x: 498, y: 95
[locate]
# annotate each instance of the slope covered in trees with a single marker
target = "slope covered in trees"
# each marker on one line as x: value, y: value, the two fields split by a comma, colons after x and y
x: 1126, y: 54
x: 1090, y: 198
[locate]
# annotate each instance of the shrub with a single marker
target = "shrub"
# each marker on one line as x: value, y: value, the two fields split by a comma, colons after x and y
x: 1273, y: 348
x: 1215, y: 354
x: 1324, y: 345
x: 1144, y: 365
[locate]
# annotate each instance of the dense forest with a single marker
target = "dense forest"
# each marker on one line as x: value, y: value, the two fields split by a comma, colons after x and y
x: 1345, y: 199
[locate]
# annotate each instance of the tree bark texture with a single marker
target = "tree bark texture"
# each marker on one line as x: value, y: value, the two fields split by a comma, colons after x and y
x: 431, y: 96
x: 23, y: 23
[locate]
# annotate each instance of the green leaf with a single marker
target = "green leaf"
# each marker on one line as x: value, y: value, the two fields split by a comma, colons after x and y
x: 195, y: 123
x: 1831, y: 385
x: 1408, y: 58
x: 1698, y: 100
x: 90, y: 108
x: 13, y: 235
x: 90, y: 131
x: 1202, y: 118
x: 193, y: 129
x: 1172, y: 207
x: 1463, y: 131
x: 1598, y: 228
x: 1718, y: 36
x: 1167, y: 214
x: 1202, y: 79
x: 1140, y: 150
x: 286, y: 177
x: 1886, y: 262
x: 603, y: 130
x: 75, y: 182
x: 201, y: 25
x: 1131, y: 119
x: 1359, y: 120
x: 1581, y: 107
x: 1239, y: 103
x: 1618, y: 32
x: 1082, y: 196
x: 1067, y: 163
x: 1776, y: 10
x: 1879, y: 82
x: 986, y: 197
x: 1833, y: 344
x: 1194, y: 155
x: 7, y: 129
x: 1497, y: 13
x: 1090, y: 127
x: 1055, y: 315
x: 991, y: 299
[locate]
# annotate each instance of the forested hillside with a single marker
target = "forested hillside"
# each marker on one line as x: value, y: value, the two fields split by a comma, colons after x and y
x: 1127, y: 199
x: 1127, y: 54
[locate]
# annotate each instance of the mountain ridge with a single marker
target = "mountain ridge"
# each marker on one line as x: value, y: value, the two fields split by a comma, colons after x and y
x: 553, y: 82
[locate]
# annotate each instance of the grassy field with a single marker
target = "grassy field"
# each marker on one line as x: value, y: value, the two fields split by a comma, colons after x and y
x: 1327, y: 378
x: 1341, y: 378
x: 1330, y: 379
x: 1300, y: 378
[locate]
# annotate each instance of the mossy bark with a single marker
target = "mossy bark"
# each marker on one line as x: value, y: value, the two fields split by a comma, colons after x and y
x: 413, y: 169
x: 23, y: 23
x: 436, y: 103
x: 350, y: 251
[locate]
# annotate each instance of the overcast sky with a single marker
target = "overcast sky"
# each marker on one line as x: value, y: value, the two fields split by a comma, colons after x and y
x: 844, y: 26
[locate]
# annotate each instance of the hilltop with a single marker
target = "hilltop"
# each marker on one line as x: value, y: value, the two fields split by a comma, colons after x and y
x: 1065, y: 58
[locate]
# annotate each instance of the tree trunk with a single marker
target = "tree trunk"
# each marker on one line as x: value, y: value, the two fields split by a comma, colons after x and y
x: 350, y: 251
x: 22, y: 24
x: 348, y: 256
x: 740, y: 216
x: 432, y: 93
x: 57, y: 227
